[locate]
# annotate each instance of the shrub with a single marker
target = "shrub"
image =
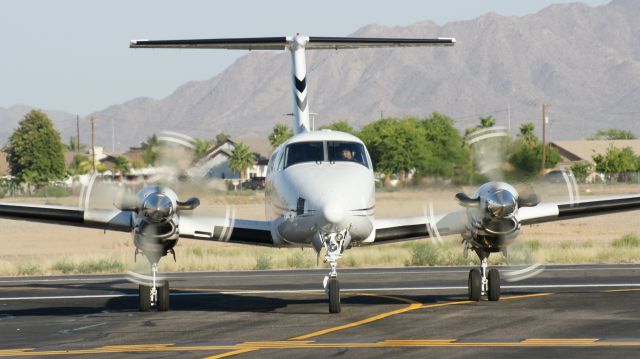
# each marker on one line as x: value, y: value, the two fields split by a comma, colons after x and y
x: 298, y: 260
x: 629, y: 240
x: 423, y: 254
x: 263, y: 262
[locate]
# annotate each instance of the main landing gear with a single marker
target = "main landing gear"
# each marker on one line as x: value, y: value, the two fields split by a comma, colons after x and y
x: 155, y: 295
x: 484, y: 282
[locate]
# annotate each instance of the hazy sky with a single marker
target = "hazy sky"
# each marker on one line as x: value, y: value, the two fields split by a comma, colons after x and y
x: 73, y: 55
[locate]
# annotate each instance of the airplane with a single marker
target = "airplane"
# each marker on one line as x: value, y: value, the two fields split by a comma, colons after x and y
x: 320, y: 193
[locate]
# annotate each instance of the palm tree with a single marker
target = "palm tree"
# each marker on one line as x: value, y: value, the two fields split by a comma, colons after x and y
x: 241, y: 159
x: 281, y: 133
x: 200, y: 147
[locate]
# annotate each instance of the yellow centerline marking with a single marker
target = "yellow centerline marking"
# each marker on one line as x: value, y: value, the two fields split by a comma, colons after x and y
x: 413, y: 305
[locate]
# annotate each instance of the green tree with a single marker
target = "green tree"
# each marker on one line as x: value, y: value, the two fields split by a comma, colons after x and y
x: 342, y: 126
x: 80, y: 165
x: 35, y: 150
x: 222, y: 137
x: 397, y: 145
x: 200, y: 147
x: 617, y: 161
x: 122, y: 165
x: 151, y: 150
x: 448, y: 153
x: 74, y: 145
x: 612, y: 134
x: 581, y: 170
x: 241, y: 159
x: 526, y: 152
x: 280, y: 134
x: 485, y: 122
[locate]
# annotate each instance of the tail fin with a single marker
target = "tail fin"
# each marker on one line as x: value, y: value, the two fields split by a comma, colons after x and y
x: 296, y: 45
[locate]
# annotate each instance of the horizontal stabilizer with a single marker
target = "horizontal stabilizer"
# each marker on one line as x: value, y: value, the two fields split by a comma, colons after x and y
x: 281, y: 43
x: 249, y: 43
x: 364, y: 42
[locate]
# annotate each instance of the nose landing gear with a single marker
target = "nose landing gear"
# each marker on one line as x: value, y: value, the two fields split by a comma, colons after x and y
x: 335, y: 244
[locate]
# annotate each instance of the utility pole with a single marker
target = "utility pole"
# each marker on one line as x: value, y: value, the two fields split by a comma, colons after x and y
x: 545, y: 120
x: 93, y: 142
x: 509, y: 118
x: 77, y: 133
x: 113, y: 138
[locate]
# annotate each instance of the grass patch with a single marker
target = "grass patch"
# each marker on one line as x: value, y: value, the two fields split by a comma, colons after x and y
x: 423, y: 254
x: 299, y: 260
x: 29, y: 268
x: 533, y: 245
x: 64, y: 266
x: 263, y: 262
x: 629, y: 240
x: 108, y: 265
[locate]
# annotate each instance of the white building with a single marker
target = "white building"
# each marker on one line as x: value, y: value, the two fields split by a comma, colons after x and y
x: 215, y: 164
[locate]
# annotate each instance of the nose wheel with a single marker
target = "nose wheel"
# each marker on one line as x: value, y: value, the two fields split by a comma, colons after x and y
x: 155, y: 295
x: 333, y: 289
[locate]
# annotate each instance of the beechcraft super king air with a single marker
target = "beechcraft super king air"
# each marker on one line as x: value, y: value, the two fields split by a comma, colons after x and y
x: 319, y: 193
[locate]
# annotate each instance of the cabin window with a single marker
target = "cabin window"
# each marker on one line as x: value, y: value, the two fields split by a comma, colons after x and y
x: 304, y: 152
x: 347, y: 152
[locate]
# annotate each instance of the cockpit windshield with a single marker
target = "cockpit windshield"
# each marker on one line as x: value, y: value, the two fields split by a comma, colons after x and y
x: 304, y: 152
x: 347, y: 151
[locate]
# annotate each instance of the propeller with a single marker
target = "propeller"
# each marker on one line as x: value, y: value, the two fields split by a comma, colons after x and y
x: 155, y: 202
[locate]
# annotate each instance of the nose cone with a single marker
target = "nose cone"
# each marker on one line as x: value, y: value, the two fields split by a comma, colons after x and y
x: 501, y: 204
x: 158, y: 207
x: 334, y: 213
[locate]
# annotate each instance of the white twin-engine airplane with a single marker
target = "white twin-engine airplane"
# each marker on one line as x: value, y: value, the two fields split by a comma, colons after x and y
x: 319, y: 193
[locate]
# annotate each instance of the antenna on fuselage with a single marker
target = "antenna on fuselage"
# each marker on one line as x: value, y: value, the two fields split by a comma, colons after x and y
x: 296, y: 45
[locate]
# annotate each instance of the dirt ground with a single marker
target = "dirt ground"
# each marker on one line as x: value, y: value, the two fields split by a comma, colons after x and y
x: 22, y: 238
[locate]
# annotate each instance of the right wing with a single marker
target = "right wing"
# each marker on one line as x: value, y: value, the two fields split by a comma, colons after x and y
x: 108, y: 219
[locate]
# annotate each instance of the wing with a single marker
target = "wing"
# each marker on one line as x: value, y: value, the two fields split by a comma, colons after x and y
x: 241, y: 231
x: 194, y: 227
x: 408, y: 228
x: 107, y: 219
x: 547, y: 212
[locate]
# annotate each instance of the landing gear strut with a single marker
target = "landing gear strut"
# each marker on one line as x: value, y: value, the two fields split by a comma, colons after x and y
x: 335, y: 244
x: 484, y: 282
x: 155, y: 295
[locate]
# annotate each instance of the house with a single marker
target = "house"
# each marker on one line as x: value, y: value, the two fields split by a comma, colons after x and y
x: 215, y: 164
x: 584, y: 150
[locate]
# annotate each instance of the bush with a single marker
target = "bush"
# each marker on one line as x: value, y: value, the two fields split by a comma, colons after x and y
x: 627, y: 241
x: 263, y: 262
x: 533, y: 245
x: 298, y: 260
x: 64, y: 266
x: 100, y: 265
x: 52, y: 191
x: 28, y: 269
x: 423, y: 254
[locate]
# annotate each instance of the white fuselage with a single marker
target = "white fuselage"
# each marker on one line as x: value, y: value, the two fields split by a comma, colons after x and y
x: 310, y: 190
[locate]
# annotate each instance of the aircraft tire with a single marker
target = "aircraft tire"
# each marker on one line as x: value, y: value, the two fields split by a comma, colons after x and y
x: 334, y: 295
x: 144, y: 298
x: 494, y: 285
x: 475, y: 284
x: 163, y: 297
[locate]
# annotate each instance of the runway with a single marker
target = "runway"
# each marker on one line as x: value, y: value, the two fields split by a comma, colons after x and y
x: 573, y: 311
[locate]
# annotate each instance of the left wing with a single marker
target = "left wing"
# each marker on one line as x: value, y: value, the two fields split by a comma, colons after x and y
x: 409, y: 228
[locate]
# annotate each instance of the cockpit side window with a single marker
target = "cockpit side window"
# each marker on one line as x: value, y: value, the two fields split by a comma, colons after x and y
x: 348, y: 152
x: 304, y: 152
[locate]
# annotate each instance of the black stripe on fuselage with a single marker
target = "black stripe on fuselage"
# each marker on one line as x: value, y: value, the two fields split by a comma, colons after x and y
x: 300, y: 84
x: 251, y: 236
x: 584, y: 209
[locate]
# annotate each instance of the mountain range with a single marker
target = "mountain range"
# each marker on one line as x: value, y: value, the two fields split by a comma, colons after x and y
x: 583, y: 61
